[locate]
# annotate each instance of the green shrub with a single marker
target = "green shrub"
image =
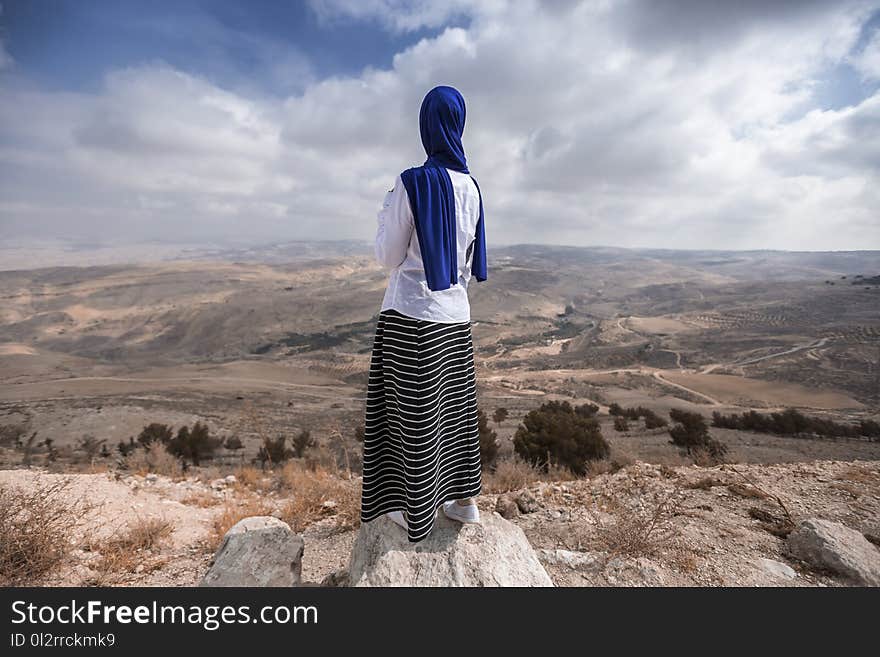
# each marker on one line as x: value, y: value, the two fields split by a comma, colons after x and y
x: 500, y: 414
x: 488, y: 440
x: 194, y: 445
x: 274, y: 451
x: 557, y: 434
x: 302, y: 442
x: 621, y: 423
x: 586, y: 410
x: 692, y: 433
x: 792, y: 422
x: 155, y: 432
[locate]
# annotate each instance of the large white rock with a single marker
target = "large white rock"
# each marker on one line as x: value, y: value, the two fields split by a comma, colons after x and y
x: 830, y: 545
x: 257, y: 551
x: 493, y: 553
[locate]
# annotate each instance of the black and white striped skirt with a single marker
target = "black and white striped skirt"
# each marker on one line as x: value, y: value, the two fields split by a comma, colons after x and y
x: 421, y: 437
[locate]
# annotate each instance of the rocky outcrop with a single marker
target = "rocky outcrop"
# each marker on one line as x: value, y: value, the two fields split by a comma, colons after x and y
x: 257, y: 551
x: 835, y: 547
x: 493, y: 553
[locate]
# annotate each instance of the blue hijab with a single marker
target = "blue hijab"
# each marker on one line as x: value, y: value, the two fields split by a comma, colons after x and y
x: 431, y: 197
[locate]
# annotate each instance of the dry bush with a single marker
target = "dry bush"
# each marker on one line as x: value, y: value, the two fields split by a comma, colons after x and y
x: 142, y: 534
x: 319, y: 493
x: 154, y: 458
x: 251, y: 478
x: 511, y: 474
x: 36, y: 525
x: 705, y: 458
x: 641, y: 534
x: 321, y: 457
x: 202, y: 499
x: 208, y: 473
x: 778, y: 526
x: 231, y: 514
x: 123, y: 552
x: 597, y: 468
x: 747, y: 491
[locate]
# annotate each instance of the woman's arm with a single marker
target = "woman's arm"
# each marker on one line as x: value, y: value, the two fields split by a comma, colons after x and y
x: 395, y: 227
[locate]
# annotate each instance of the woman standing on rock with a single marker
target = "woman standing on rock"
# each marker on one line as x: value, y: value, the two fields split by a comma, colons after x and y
x: 421, y: 438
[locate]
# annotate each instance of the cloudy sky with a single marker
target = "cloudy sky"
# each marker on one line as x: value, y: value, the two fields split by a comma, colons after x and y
x: 684, y: 124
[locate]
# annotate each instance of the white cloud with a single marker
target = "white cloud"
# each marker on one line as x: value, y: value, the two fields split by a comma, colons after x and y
x: 584, y: 127
x: 867, y: 62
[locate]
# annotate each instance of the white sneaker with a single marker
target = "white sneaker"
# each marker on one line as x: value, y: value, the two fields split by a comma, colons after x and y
x: 455, y: 511
x: 397, y: 518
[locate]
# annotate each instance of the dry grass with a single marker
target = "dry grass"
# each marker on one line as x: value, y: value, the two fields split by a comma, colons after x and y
x: 202, y: 499
x: 154, y: 458
x: 251, y: 478
x: 129, y: 548
x: 36, y: 526
x: 514, y: 474
x: 319, y: 493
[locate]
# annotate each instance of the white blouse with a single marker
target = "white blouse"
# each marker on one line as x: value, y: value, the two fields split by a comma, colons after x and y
x: 397, y: 248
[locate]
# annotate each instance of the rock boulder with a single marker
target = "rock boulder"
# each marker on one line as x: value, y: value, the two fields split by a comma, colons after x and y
x: 257, y: 551
x: 836, y: 547
x: 493, y: 553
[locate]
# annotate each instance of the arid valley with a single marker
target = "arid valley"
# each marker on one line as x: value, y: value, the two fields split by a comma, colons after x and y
x: 266, y: 342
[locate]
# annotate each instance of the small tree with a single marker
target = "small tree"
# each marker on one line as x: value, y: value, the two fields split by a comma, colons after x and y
x: 654, y: 421
x: 51, y: 452
x: 126, y: 448
x: 302, y: 442
x: 90, y: 446
x: 155, y: 432
x: 556, y: 433
x: 273, y: 451
x: 27, y: 447
x: 500, y: 415
x: 586, y: 410
x: 488, y: 440
x: 194, y: 445
x: 692, y: 433
x: 621, y: 423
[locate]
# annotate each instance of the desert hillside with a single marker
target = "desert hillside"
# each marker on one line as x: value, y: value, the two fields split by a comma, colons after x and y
x: 644, y: 525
